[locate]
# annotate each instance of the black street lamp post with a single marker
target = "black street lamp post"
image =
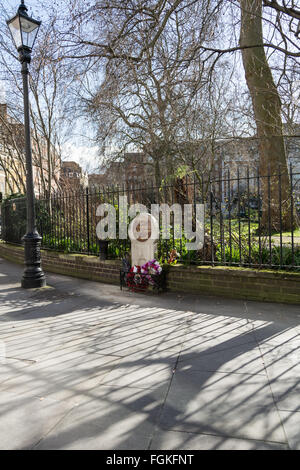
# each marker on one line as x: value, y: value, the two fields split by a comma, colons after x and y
x: 24, y: 31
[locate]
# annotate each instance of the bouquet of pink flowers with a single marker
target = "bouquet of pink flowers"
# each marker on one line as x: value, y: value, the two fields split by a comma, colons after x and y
x: 140, y: 278
x: 150, y: 269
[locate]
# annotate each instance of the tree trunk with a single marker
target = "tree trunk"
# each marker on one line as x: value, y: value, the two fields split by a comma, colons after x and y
x: 267, y: 111
x: 157, y: 173
x: 49, y: 186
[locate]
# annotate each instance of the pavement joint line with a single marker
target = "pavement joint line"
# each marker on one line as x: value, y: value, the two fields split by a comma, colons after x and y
x: 218, y: 350
x: 249, y: 321
x: 156, y: 425
x: 107, y: 354
x: 269, y: 384
x: 30, y: 361
x: 226, y: 373
x: 164, y: 428
x: 53, y: 427
x: 131, y: 387
x: 289, y: 411
x: 227, y: 436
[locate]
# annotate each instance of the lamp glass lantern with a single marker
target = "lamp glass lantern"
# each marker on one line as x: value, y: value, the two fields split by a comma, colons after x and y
x: 24, y: 30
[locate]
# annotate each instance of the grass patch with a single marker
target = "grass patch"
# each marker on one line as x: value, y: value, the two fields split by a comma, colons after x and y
x: 296, y: 233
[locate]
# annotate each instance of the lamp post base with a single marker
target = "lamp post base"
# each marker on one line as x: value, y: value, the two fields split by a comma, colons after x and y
x: 33, y: 276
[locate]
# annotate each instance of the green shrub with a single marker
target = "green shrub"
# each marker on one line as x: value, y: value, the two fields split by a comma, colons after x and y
x: 260, y: 256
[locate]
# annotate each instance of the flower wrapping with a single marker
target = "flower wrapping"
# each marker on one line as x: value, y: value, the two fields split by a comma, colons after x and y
x: 140, y: 277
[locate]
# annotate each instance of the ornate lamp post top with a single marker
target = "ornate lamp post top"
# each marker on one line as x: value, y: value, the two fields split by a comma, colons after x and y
x: 23, y: 8
x: 24, y: 31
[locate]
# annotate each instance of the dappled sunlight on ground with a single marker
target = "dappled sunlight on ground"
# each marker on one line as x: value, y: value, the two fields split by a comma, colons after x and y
x: 89, y: 368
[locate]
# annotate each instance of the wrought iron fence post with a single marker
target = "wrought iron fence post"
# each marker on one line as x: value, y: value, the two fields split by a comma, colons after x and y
x: 269, y: 215
x: 88, y: 219
x: 292, y: 215
x: 280, y: 210
x: 70, y: 220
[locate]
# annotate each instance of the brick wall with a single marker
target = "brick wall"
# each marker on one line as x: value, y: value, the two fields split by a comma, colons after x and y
x: 240, y: 283
x: 272, y: 286
x: 81, y: 266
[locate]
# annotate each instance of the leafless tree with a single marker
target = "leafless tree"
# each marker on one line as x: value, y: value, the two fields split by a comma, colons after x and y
x: 50, y: 84
x: 153, y: 105
x: 132, y: 31
x: 128, y: 40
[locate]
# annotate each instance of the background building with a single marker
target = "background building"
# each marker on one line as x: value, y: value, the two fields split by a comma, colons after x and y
x: 2, y: 184
x: 46, y: 160
x: 72, y: 177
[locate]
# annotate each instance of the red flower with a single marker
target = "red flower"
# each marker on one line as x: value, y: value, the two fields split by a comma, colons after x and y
x: 135, y: 280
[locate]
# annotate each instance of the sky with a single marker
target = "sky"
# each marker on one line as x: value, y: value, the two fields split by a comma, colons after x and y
x: 2, y: 92
x: 34, y: 6
x: 86, y: 157
x: 77, y: 149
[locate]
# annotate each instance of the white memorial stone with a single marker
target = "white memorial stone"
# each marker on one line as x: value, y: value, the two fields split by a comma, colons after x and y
x: 143, y: 233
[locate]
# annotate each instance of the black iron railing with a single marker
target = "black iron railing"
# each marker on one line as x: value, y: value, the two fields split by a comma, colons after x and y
x: 251, y: 219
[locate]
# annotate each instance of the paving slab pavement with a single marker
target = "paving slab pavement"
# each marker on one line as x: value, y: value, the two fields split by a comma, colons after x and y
x: 86, y: 366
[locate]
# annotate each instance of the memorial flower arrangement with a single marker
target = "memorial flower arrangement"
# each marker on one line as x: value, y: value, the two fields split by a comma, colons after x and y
x: 141, y: 277
x: 135, y: 281
x: 151, y: 269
